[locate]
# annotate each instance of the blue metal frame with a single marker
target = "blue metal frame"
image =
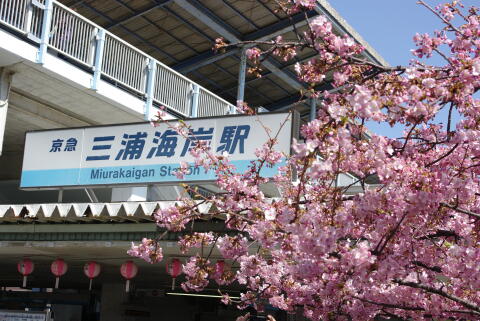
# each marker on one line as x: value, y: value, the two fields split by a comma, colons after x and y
x: 45, y: 35
x: 137, y: 14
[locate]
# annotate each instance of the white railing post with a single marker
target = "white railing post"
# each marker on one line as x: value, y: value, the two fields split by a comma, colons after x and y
x: 151, y: 69
x: 98, y: 58
x: 45, y: 35
x: 28, y: 19
x: 195, y: 94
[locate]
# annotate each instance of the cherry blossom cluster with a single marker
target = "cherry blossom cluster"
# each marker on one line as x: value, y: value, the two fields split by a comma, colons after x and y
x: 401, y: 237
x: 148, y: 250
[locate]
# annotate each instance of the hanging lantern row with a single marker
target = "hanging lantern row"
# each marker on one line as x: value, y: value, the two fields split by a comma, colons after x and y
x: 92, y: 269
x: 58, y: 268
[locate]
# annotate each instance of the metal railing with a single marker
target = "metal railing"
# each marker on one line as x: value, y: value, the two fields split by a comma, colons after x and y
x: 172, y: 89
x: 124, y: 63
x: 55, y: 26
x: 72, y: 35
x: 210, y: 105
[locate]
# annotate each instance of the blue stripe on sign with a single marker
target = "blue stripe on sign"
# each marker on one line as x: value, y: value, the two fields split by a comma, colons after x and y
x: 52, y: 177
x: 125, y: 175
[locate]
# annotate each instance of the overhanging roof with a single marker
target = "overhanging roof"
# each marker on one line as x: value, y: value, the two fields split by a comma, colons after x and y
x: 181, y: 34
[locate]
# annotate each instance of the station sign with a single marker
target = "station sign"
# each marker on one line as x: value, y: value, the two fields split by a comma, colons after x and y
x: 139, y: 153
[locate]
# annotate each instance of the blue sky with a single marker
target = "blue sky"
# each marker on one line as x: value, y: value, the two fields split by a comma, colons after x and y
x: 389, y: 26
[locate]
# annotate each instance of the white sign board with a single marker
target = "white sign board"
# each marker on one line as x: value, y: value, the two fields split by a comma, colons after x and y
x: 140, y: 153
x: 22, y: 316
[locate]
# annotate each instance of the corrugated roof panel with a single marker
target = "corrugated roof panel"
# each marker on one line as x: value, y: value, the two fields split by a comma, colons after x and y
x: 85, y: 212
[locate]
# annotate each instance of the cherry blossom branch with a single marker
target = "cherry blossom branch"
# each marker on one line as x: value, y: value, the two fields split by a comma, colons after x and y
x: 380, y: 247
x: 431, y: 268
x: 457, y: 209
x: 463, y: 312
x: 391, y: 306
x: 443, y: 156
x: 466, y: 303
x: 448, y: 23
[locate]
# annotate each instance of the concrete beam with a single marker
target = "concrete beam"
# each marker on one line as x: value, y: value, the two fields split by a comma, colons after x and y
x: 33, y: 109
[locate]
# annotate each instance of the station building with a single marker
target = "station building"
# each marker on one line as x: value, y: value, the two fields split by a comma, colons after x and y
x: 83, y: 63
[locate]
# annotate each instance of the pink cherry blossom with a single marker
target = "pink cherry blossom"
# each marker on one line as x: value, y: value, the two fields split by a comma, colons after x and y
x: 355, y: 225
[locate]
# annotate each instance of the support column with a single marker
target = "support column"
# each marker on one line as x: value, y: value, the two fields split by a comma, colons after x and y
x: 241, y: 78
x: 313, y: 108
x: 5, y: 83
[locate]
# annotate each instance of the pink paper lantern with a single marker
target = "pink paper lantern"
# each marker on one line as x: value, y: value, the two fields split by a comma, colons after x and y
x: 220, y: 267
x: 59, y: 267
x: 91, y: 270
x: 129, y: 271
x: 25, y: 267
x: 174, y: 268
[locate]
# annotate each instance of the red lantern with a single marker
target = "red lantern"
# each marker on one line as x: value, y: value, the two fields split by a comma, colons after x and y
x: 59, y: 267
x: 219, y: 270
x: 91, y: 270
x: 219, y: 267
x: 25, y: 267
x: 129, y: 271
x: 174, y: 269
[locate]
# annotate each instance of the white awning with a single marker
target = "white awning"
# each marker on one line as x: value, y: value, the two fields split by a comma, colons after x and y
x: 86, y: 212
